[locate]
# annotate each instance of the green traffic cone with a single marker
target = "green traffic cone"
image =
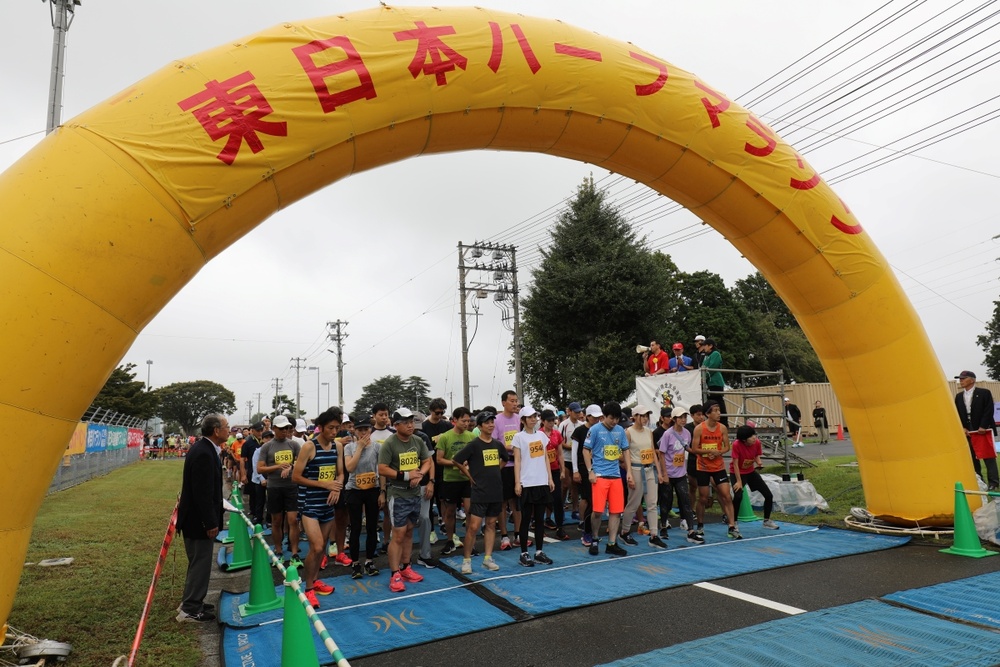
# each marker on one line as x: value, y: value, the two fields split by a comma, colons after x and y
x: 966, y: 538
x: 262, y: 594
x: 242, y: 551
x: 234, y: 498
x: 297, y: 647
x: 746, y: 509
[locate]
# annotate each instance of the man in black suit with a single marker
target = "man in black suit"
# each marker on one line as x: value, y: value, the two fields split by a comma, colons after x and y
x: 199, y: 516
x: 975, y: 409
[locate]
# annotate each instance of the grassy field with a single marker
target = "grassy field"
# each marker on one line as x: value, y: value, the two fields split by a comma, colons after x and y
x: 113, y: 527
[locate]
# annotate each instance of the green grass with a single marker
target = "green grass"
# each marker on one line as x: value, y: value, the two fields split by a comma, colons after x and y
x: 839, y: 486
x: 113, y: 527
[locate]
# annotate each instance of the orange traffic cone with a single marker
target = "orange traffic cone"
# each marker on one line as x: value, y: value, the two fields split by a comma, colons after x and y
x: 840, y: 431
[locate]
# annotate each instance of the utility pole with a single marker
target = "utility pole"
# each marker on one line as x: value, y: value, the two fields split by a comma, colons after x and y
x: 149, y: 366
x: 316, y: 368
x: 61, y: 13
x: 499, y: 264
x: 258, y: 401
x: 277, y: 392
x: 298, y: 394
x: 338, y: 335
x: 327, y: 385
x: 249, y: 408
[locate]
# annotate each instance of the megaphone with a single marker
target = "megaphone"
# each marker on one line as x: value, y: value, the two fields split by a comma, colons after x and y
x: 641, y: 348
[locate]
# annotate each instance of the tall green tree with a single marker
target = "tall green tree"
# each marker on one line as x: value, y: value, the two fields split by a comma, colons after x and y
x: 597, y: 292
x: 418, y: 389
x: 123, y: 393
x: 188, y: 403
x: 395, y: 392
x: 990, y: 342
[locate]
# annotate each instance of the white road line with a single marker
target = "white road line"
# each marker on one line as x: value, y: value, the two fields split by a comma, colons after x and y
x: 746, y: 597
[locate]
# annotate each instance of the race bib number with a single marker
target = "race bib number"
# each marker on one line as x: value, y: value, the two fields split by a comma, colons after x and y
x: 551, y: 454
x: 408, y: 461
x: 714, y: 446
x: 612, y: 453
x: 508, y: 440
x: 679, y: 460
x: 491, y: 457
x: 647, y: 456
x: 365, y: 480
x: 327, y: 473
x: 283, y: 457
x: 536, y: 449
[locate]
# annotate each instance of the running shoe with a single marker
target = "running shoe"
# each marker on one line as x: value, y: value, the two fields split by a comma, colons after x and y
x: 694, y: 537
x: 322, y: 588
x: 370, y: 569
x: 449, y: 548
x: 526, y: 559
x: 433, y: 538
x: 768, y: 523
x: 343, y: 559
x: 457, y: 542
x: 684, y: 524
x: 396, y: 584
x: 460, y: 514
x: 587, y: 539
x: 561, y: 535
x: 356, y: 572
x: 490, y: 564
x: 628, y: 539
x: 540, y: 557
x: 734, y: 533
x: 200, y: 617
x: 466, y: 566
x: 655, y: 541
x: 549, y: 524
x: 665, y: 532
x: 505, y: 543
x: 614, y: 550
x: 323, y: 563
x: 311, y: 597
x: 409, y: 574
x: 428, y: 562
x: 593, y: 551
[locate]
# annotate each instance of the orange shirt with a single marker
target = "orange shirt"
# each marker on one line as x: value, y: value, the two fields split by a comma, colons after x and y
x: 710, y: 439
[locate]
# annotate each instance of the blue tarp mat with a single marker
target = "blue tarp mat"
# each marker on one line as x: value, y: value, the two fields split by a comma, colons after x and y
x: 974, y: 600
x: 574, y: 579
x: 370, y: 622
x: 862, y: 634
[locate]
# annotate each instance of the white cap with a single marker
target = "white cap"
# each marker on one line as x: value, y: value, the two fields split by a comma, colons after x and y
x: 281, y: 421
x: 300, y: 426
x: 699, y: 337
x: 678, y: 412
x: 641, y: 410
x: 594, y: 410
x: 401, y: 414
x: 526, y: 411
x: 549, y: 406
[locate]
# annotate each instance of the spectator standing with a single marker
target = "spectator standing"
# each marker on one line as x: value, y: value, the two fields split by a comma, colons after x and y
x: 680, y: 362
x: 975, y: 410
x: 656, y: 360
x: 716, y: 385
x: 821, y: 423
x: 794, y: 417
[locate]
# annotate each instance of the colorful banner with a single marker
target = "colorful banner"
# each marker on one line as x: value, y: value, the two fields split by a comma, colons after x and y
x: 135, y: 437
x: 97, y: 438
x: 117, y: 437
x: 78, y: 441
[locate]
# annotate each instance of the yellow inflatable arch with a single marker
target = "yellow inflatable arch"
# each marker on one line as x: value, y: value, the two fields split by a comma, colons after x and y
x: 108, y: 217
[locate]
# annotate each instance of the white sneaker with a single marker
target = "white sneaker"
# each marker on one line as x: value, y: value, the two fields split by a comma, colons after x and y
x: 768, y: 523
x: 684, y: 524
x: 490, y: 564
x: 457, y: 542
x: 467, y: 566
x: 433, y: 538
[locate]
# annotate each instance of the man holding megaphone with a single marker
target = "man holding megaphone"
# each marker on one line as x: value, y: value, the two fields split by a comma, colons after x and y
x: 657, y: 362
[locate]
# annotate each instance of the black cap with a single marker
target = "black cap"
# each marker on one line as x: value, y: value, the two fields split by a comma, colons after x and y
x: 363, y: 422
x: 257, y: 426
x: 485, y: 416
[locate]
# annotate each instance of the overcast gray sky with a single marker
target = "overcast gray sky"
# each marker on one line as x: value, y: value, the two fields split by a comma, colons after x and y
x: 379, y: 249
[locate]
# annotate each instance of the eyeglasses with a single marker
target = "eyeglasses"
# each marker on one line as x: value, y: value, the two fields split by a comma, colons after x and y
x: 438, y: 412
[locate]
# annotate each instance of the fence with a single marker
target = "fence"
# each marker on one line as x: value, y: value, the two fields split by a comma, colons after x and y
x: 102, y: 442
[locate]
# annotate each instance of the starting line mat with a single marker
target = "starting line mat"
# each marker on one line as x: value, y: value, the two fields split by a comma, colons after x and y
x: 364, y: 618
